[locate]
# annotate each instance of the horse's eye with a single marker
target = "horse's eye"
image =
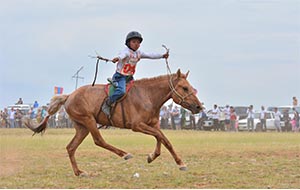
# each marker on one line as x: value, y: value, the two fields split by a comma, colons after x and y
x: 185, y: 89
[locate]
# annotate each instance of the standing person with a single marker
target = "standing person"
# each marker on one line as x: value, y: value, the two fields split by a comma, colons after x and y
x: 286, y: 119
x: 295, y: 101
x: 5, y: 116
x: 18, y: 119
x: 20, y: 101
x: 233, y: 118
x: 126, y: 63
x: 182, y: 119
x: 36, y: 104
x: 170, y: 110
x: 277, y: 119
x: 227, y: 117
x: 176, y: 115
x: 250, y: 118
x: 215, y: 116
x: 12, y: 118
x: 262, y: 118
x: 192, y: 121
x: 296, y: 120
x: 164, y: 117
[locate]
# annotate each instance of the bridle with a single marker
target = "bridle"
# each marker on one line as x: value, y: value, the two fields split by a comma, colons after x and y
x: 171, y: 85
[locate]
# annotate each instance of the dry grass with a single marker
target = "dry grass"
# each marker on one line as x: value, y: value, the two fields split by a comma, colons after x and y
x: 215, y: 160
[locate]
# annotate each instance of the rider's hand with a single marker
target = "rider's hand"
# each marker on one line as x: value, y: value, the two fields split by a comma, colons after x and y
x: 116, y: 59
x: 166, y: 55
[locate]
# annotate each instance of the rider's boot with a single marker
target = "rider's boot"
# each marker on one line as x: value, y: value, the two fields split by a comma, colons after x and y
x: 106, y: 107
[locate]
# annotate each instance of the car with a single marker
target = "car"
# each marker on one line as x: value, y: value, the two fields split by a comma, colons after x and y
x: 208, y: 123
x: 24, y: 108
x: 270, y: 122
x: 282, y: 109
x: 241, y: 111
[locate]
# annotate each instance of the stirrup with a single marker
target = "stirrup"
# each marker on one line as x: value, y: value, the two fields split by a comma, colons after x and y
x: 106, y: 108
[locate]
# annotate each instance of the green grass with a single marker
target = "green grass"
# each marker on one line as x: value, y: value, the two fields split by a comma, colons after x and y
x: 214, y: 159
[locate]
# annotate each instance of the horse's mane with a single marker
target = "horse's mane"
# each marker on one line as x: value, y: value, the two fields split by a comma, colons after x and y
x: 151, y: 80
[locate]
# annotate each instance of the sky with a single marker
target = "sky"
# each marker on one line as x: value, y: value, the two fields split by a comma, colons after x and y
x: 238, y: 52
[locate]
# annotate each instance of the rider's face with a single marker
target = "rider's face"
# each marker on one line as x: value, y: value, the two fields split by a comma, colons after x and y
x: 134, y: 44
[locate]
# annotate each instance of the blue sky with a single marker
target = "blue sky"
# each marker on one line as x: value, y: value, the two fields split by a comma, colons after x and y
x: 239, y: 52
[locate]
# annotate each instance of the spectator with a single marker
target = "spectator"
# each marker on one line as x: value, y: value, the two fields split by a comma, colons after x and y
x: 176, y: 115
x: 227, y: 117
x: 36, y: 104
x: 20, y: 101
x: 18, y: 118
x: 192, y: 121
x: 233, y: 118
x: 286, y: 119
x: 5, y: 115
x: 277, y: 120
x: 182, y: 119
x: 295, y: 101
x: 215, y: 116
x: 296, y: 120
x: 262, y: 118
x: 250, y: 118
x: 164, y: 117
x: 12, y: 118
x: 170, y: 110
x: 202, y: 118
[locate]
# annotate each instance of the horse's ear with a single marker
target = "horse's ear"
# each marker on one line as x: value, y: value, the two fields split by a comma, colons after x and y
x: 178, y: 73
x: 187, y: 74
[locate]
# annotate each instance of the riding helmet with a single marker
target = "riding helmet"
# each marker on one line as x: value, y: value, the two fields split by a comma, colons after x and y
x: 131, y: 35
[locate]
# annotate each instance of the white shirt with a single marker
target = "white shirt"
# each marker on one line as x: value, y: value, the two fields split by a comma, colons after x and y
x: 227, y: 113
x: 250, y: 114
x: 129, y: 58
x: 277, y: 116
x: 262, y: 114
x: 215, y: 113
x: 12, y: 114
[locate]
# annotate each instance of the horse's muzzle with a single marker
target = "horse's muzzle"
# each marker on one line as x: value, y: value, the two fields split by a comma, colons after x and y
x: 196, y: 109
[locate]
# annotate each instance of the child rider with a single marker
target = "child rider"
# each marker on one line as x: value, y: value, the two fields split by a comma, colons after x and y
x: 126, y: 63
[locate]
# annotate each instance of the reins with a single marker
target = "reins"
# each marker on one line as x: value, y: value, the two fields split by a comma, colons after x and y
x: 171, y: 85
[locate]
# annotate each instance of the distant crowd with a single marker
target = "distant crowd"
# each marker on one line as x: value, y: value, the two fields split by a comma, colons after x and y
x: 12, y: 116
x: 171, y: 117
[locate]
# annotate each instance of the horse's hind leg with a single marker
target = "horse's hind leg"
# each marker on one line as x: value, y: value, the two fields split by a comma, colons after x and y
x: 81, y: 133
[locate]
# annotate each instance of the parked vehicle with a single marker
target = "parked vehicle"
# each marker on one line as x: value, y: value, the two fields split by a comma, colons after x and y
x: 24, y: 108
x: 282, y: 109
x: 241, y: 111
x: 270, y: 121
x: 208, y: 123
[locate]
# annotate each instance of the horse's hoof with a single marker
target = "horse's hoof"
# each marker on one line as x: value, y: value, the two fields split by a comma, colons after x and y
x: 83, y: 174
x: 183, y: 168
x: 149, y: 159
x: 127, y: 156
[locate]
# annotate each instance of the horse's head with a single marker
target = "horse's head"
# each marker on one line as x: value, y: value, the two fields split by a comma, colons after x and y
x: 183, y: 93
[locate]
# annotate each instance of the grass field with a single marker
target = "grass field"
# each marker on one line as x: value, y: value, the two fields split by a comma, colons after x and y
x: 214, y: 159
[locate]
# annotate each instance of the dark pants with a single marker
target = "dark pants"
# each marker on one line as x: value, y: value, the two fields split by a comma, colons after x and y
x: 216, y: 124
x: 263, y: 124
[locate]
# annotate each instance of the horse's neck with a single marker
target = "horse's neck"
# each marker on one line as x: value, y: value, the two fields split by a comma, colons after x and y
x: 158, y: 91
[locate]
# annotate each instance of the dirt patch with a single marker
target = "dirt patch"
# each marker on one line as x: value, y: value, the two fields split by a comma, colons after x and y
x: 11, y: 163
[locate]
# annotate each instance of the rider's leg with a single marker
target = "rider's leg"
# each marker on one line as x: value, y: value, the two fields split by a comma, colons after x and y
x: 120, y: 81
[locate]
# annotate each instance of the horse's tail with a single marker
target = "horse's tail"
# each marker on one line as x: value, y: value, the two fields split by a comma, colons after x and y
x: 55, y: 104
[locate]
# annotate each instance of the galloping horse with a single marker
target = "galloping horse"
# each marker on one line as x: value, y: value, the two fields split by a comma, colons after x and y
x: 142, y: 103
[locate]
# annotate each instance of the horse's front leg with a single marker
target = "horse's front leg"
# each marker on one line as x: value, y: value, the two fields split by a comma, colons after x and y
x: 161, y: 138
x: 156, y: 152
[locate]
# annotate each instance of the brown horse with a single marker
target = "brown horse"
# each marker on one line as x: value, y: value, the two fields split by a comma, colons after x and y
x: 140, y: 113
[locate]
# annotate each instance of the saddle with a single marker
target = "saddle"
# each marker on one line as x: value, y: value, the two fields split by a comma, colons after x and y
x: 111, y: 87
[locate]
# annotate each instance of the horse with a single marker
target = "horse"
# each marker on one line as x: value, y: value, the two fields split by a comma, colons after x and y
x: 142, y: 103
